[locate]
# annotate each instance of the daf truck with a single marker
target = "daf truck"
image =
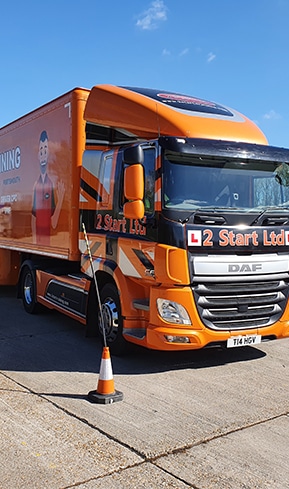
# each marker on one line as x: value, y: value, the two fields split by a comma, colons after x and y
x: 185, y: 207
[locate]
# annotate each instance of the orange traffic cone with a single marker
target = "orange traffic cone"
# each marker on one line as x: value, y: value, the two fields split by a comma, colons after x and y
x: 105, y: 392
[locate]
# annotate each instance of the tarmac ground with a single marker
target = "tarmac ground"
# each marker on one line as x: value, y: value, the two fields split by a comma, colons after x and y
x: 210, y: 419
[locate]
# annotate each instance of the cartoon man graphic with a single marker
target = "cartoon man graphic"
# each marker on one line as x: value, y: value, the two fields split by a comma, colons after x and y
x: 45, y: 210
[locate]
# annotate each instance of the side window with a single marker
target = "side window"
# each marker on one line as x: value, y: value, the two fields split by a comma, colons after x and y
x: 96, y: 178
x: 106, y: 177
x: 149, y: 170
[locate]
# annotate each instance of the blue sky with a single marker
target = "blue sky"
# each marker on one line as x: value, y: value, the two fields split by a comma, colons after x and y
x: 233, y: 52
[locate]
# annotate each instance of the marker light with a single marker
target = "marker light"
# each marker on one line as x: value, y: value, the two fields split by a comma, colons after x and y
x: 172, y: 312
x: 176, y: 339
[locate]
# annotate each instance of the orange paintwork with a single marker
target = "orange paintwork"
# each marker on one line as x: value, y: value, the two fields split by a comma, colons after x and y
x: 118, y: 107
x: 142, y: 270
x: 9, y: 267
x: 171, y: 265
x: 134, y: 182
x: 62, y: 119
x: 134, y: 210
x: 43, y: 279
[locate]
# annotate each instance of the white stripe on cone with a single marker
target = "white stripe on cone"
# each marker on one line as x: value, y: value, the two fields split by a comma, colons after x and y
x: 105, y: 372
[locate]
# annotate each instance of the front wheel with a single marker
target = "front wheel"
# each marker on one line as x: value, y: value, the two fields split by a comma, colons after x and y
x: 28, y: 290
x: 112, y: 320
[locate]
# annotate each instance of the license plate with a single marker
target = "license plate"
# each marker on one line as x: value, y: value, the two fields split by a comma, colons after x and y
x: 248, y: 340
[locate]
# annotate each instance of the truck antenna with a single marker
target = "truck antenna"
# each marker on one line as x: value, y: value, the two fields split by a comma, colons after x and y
x: 96, y: 285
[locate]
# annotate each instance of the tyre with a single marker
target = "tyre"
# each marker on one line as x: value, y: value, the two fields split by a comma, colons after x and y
x: 28, y: 290
x: 112, y: 320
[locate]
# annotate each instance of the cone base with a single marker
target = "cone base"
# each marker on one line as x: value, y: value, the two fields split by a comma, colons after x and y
x: 94, y: 396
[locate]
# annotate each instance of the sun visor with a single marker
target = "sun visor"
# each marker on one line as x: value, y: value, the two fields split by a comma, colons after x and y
x: 149, y: 113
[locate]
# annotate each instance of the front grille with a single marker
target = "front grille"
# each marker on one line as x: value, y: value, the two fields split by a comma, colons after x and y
x: 241, y: 305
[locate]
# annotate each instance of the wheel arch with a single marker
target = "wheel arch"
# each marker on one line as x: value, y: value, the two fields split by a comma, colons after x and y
x: 102, y: 278
x: 117, y: 344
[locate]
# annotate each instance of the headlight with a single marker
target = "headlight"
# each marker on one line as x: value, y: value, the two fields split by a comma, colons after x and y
x: 172, y: 312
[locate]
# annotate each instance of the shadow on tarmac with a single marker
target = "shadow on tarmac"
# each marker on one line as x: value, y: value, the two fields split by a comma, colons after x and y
x: 53, y: 342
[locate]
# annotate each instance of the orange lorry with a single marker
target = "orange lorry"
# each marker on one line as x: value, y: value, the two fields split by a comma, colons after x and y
x: 186, y: 209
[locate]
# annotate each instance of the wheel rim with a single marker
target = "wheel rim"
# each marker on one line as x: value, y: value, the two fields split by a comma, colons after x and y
x: 110, y: 319
x: 28, y: 288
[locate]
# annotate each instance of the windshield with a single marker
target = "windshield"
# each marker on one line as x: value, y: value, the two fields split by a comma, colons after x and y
x: 192, y: 182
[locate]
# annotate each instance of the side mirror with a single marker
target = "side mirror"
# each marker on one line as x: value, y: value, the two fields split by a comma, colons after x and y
x: 134, y: 182
x: 134, y: 209
x: 133, y: 155
x: 134, y: 192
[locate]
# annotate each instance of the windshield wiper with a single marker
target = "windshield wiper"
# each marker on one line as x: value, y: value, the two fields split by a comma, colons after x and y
x: 213, y: 215
x: 206, y: 215
x: 274, y: 219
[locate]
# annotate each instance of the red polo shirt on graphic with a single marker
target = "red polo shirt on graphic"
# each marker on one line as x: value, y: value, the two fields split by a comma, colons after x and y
x: 43, y: 208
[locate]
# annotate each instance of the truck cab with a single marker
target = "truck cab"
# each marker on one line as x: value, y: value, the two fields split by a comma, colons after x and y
x: 203, y: 261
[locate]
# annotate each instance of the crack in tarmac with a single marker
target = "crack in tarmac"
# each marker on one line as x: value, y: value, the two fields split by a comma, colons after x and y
x: 145, y: 458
